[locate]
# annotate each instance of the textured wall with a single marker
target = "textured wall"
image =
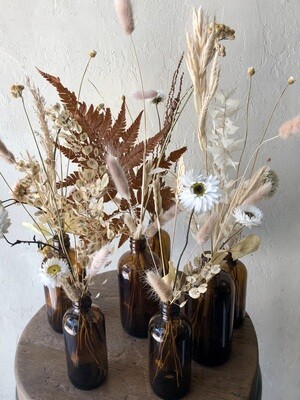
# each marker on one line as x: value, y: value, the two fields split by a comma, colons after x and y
x: 57, y: 35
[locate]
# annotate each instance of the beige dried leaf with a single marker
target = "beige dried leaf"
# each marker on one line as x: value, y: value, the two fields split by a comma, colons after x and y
x: 246, y: 246
x: 218, y: 257
x: 170, y: 277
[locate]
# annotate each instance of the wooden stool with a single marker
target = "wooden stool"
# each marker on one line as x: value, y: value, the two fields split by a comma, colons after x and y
x: 41, y: 372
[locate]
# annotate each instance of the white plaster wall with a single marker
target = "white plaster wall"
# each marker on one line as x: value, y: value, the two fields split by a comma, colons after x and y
x: 56, y: 36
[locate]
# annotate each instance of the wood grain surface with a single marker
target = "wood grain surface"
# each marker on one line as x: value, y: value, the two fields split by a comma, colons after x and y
x: 40, y: 365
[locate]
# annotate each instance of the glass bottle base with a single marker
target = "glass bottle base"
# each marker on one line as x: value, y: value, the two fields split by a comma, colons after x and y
x: 83, y: 378
x: 166, y: 388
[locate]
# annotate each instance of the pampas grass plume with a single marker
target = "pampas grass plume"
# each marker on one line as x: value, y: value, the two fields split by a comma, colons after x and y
x: 118, y: 176
x: 100, y: 260
x: 205, y: 231
x: 125, y: 15
x: 261, y: 193
x: 6, y: 154
x: 163, y: 290
x: 146, y: 94
x: 290, y: 128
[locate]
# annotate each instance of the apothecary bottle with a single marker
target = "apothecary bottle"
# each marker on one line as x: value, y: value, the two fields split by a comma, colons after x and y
x: 137, y: 305
x: 211, y: 317
x: 170, y: 353
x: 56, y: 300
x: 238, y: 272
x: 85, y: 344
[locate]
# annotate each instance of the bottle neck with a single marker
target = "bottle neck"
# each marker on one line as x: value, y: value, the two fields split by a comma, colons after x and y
x: 84, y: 303
x: 137, y: 245
x: 229, y: 263
x: 57, y: 242
x: 169, y: 311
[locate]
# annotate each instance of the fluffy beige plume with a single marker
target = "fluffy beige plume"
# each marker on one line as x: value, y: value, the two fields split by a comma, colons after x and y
x: 207, y: 228
x: 290, y: 128
x: 46, y: 138
x: 248, y: 187
x: 167, y: 216
x: 6, y: 154
x: 201, y: 53
x: 160, y: 287
x: 69, y: 289
x: 261, y: 193
x: 125, y: 15
x: 118, y: 176
x: 146, y: 94
x: 100, y: 260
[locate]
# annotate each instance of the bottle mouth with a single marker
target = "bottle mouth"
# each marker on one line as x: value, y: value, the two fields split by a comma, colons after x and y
x: 84, y: 302
x: 138, y: 244
x: 170, y: 310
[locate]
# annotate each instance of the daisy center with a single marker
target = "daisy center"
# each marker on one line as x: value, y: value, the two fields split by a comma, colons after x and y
x: 249, y: 214
x: 198, y: 188
x: 53, y: 270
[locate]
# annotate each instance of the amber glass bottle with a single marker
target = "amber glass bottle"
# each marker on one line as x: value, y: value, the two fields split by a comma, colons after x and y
x: 57, y: 302
x: 85, y: 344
x: 238, y: 273
x: 136, y: 303
x: 170, y: 353
x: 211, y: 316
x: 163, y: 250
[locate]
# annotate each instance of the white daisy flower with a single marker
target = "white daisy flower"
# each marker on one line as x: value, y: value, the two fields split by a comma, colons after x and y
x: 52, y: 270
x: 199, y: 193
x: 248, y: 215
x: 4, y: 221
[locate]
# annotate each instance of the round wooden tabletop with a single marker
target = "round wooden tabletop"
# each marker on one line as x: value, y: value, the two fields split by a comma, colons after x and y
x: 41, y: 373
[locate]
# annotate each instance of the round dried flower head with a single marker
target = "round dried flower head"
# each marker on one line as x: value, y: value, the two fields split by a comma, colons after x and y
x: 159, y: 97
x: 291, y: 80
x: 21, y: 189
x: 195, y: 292
x: 52, y: 270
x: 271, y: 176
x: 251, y: 71
x: 248, y: 215
x: 16, y: 90
x: 93, y: 54
x: 200, y: 193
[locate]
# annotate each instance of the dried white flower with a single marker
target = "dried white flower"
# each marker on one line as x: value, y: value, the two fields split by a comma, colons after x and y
x: 199, y: 194
x: 52, y: 270
x: 248, y: 215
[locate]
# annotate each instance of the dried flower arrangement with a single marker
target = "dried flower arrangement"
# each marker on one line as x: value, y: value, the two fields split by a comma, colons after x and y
x: 60, y: 209
x: 113, y: 167
x: 221, y: 199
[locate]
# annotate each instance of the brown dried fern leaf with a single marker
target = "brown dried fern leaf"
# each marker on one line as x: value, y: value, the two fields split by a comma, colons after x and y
x: 119, y: 127
x: 134, y: 158
x: 130, y: 135
x: 67, y: 97
x: 70, y: 180
x: 176, y: 154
